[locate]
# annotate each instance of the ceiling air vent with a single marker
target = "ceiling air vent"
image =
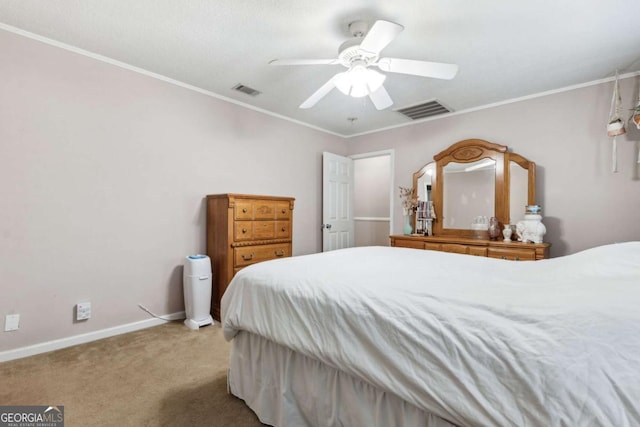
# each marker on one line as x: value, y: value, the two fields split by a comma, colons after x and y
x: 426, y: 109
x: 246, y: 89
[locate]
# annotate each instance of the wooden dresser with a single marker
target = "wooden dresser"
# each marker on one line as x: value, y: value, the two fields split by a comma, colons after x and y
x: 514, y: 251
x: 242, y: 230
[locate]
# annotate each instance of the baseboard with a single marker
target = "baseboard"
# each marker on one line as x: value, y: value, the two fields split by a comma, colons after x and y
x: 45, y: 347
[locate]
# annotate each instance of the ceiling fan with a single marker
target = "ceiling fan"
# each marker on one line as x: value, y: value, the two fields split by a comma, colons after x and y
x: 362, y: 52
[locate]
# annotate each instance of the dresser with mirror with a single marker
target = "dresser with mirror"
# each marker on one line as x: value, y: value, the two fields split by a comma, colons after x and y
x: 465, y: 185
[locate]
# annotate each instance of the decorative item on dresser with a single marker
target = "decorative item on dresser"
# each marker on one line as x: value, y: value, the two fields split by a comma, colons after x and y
x: 471, y: 181
x: 242, y: 230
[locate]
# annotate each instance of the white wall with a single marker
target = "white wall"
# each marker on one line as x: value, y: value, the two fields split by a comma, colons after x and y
x: 583, y: 202
x: 103, y: 172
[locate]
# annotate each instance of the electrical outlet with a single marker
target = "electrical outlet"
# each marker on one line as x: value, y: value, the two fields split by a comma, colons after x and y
x: 11, y: 322
x: 83, y: 311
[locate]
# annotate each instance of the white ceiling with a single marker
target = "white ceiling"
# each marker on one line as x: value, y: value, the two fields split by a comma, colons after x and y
x: 505, y: 49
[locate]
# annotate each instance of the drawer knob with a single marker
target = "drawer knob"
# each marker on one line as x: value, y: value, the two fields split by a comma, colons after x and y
x: 504, y: 257
x: 284, y: 229
x: 247, y: 258
x: 244, y: 230
x: 284, y: 211
x: 280, y: 253
x: 244, y: 210
x: 517, y: 258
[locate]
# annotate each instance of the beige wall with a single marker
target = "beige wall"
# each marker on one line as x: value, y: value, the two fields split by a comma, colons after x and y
x: 102, y: 177
x: 584, y: 203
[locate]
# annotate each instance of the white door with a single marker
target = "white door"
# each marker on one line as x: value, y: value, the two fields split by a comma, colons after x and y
x: 337, y: 202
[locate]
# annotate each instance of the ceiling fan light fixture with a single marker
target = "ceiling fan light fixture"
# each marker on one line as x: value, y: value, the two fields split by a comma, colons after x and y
x: 359, y: 81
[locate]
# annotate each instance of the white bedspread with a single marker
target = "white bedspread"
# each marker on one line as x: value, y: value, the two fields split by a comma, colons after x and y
x: 477, y: 341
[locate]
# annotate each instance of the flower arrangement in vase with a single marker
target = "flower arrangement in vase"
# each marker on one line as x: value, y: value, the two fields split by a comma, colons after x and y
x: 409, y: 204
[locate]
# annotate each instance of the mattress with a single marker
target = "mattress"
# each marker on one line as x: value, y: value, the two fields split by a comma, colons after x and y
x: 475, y: 341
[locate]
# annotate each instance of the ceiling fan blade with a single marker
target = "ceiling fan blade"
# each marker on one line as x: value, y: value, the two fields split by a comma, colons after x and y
x: 320, y: 93
x: 436, y: 70
x: 304, y: 62
x: 379, y: 36
x: 381, y: 98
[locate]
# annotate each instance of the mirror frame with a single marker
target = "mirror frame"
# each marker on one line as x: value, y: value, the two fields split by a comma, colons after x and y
x: 468, y: 151
x: 419, y: 174
x: 527, y: 165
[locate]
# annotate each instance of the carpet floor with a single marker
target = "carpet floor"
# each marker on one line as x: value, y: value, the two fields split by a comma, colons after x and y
x: 167, y: 375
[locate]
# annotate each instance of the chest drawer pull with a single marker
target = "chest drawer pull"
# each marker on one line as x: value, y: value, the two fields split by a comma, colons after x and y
x: 284, y: 229
x: 244, y: 230
x: 517, y: 258
x: 279, y: 253
x: 247, y: 258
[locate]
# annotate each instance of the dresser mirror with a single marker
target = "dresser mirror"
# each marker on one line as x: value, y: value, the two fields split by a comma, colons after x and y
x: 469, y: 193
x: 470, y: 182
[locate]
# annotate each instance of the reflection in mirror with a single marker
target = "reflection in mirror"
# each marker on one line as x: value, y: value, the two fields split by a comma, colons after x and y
x: 423, y: 183
x: 422, y: 186
x: 468, y: 193
x: 518, y: 191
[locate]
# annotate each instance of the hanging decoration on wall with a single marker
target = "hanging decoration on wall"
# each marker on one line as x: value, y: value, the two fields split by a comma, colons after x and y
x: 635, y: 118
x: 615, y: 126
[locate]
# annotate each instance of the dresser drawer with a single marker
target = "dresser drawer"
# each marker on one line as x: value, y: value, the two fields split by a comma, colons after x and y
x: 283, y: 229
x: 261, y: 230
x: 251, y: 254
x: 249, y: 209
x: 243, y: 209
x: 414, y: 244
x: 243, y: 230
x: 454, y: 248
x: 283, y: 210
x: 264, y: 230
x: 477, y: 251
x: 512, y: 254
x: 264, y: 209
x: 254, y: 230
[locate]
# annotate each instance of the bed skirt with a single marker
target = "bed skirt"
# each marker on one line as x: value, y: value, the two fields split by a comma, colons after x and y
x: 285, y: 388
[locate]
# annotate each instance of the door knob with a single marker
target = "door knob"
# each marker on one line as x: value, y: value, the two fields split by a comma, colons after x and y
x: 327, y: 226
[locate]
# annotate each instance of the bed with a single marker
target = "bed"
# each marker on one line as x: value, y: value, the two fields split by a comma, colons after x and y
x: 383, y: 336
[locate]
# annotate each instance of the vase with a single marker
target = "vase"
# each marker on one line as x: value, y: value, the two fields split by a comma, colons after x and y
x: 531, y: 229
x: 407, y: 230
x: 494, y: 228
x: 506, y: 233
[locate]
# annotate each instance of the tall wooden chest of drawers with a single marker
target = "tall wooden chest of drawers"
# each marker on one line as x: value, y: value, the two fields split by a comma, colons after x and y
x: 242, y: 230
